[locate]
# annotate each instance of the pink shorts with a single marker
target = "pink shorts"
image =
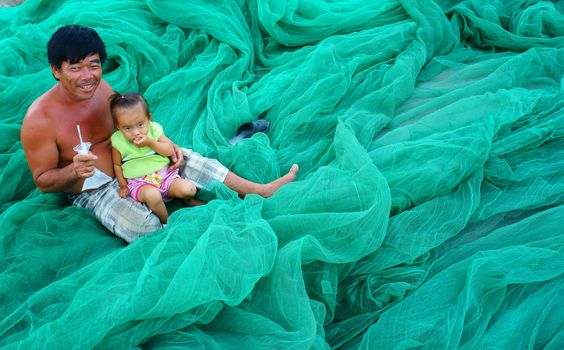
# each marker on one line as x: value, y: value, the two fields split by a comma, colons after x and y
x: 160, y: 179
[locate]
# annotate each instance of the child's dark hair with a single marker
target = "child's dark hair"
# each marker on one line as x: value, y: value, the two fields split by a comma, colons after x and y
x: 127, y: 100
x: 73, y: 43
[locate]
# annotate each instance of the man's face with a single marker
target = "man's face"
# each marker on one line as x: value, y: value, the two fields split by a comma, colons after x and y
x: 80, y: 79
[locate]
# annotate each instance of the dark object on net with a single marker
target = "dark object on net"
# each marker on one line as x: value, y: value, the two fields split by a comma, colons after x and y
x: 249, y: 129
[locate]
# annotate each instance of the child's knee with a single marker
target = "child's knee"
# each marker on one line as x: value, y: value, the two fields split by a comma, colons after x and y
x: 188, y: 189
x: 150, y: 194
x: 185, y: 189
x: 191, y: 189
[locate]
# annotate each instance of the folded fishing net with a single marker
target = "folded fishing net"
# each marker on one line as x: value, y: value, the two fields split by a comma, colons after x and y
x: 428, y: 208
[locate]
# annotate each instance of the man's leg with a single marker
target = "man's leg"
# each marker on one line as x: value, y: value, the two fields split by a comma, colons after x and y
x: 124, y: 217
x: 244, y: 187
x: 201, y: 171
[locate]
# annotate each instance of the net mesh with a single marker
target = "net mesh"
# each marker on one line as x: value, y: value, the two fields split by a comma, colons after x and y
x: 428, y: 210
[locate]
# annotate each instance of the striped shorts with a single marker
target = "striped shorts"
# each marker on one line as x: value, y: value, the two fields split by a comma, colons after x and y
x: 129, y: 219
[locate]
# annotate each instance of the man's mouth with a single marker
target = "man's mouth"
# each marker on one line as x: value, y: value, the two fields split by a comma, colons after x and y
x: 87, y: 87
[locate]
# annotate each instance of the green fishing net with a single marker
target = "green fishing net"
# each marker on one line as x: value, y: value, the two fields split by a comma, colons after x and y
x: 427, y: 213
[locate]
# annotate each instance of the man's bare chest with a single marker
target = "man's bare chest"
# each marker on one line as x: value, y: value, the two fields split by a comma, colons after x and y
x: 96, y: 129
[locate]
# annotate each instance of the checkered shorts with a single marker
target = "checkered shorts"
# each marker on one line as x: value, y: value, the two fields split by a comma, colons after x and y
x: 129, y: 219
x: 200, y: 170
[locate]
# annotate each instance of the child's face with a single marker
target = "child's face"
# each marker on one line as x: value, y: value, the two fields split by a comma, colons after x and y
x: 133, y: 122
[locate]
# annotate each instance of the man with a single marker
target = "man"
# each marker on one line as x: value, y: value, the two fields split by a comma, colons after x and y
x: 80, y: 97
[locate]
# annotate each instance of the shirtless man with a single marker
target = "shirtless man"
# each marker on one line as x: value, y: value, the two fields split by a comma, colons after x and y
x: 80, y: 97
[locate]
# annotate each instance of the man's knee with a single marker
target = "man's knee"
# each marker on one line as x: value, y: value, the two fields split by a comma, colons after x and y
x: 144, y: 225
x: 130, y: 220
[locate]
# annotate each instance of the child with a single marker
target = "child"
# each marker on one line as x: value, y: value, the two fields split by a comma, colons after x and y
x: 140, y: 155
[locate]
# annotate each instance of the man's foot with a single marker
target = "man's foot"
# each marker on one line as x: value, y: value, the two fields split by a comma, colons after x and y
x: 270, y: 188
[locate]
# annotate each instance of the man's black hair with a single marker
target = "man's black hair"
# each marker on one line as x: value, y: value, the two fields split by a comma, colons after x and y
x: 73, y: 43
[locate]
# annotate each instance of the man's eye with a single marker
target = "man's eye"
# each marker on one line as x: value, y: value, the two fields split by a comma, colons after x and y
x: 141, y: 125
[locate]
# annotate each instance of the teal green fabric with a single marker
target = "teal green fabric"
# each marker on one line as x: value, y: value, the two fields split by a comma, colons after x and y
x: 139, y: 160
x: 428, y: 209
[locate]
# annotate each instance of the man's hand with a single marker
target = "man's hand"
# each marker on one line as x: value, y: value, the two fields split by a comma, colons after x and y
x: 84, y: 165
x: 176, y: 157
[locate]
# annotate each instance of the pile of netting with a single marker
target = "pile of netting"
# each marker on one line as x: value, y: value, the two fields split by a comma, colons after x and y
x: 428, y: 209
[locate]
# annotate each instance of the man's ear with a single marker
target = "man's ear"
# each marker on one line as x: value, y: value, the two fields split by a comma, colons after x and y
x: 150, y: 116
x: 56, y: 72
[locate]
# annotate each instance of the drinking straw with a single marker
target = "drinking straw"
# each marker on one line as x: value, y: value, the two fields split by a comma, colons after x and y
x: 79, y: 133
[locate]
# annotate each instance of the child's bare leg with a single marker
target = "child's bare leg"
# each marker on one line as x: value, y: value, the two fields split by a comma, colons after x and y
x: 244, y: 187
x: 151, y: 196
x: 181, y: 188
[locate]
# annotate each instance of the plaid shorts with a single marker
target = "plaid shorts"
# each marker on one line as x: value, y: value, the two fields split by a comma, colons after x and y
x: 129, y: 219
x: 200, y: 170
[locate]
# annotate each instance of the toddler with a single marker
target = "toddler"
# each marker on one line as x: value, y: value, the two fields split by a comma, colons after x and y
x: 140, y: 153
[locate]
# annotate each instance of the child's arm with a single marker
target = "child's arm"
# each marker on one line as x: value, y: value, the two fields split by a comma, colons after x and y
x: 176, y: 157
x: 161, y: 146
x: 118, y: 172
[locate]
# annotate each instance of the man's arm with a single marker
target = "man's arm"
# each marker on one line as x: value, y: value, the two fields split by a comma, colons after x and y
x: 42, y: 156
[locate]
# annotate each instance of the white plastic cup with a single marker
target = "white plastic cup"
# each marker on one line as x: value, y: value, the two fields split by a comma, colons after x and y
x: 82, y: 148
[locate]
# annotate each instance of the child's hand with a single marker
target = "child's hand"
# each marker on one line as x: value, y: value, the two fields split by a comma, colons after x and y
x: 142, y: 141
x: 123, y: 192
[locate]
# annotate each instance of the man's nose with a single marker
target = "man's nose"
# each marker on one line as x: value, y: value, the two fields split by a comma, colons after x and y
x: 86, y: 73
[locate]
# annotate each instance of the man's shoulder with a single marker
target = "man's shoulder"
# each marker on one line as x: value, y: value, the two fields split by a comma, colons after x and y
x: 38, y: 127
x: 39, y: 105
x: 38, y: 113
x: 105, y: 88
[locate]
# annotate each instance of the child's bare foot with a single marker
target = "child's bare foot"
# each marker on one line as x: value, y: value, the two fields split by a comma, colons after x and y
x: 270, y: 188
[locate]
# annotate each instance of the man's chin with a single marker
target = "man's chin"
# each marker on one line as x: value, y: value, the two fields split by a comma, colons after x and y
x: 86, y: 94
x: 81, y: 95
